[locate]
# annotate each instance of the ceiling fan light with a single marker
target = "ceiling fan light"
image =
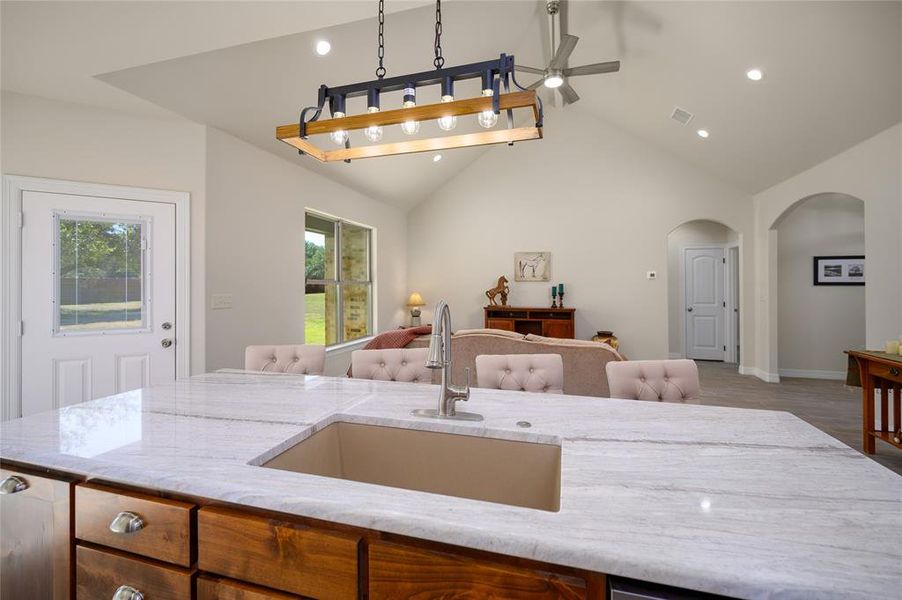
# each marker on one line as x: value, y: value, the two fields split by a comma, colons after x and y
x: 554, y: 79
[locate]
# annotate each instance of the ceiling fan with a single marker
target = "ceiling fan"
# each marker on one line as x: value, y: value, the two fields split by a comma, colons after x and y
x: 555, y: 75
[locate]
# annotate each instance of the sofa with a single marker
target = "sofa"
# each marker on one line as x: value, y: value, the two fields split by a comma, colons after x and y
x: 584, y: 361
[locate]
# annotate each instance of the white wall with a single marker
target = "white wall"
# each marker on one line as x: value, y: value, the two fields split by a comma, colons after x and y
x: 255, y: 248
x: 816, y: 323
x: 692, y: 234
x: 600, y: 200
x: 59, y: 140
x: 869, y: 171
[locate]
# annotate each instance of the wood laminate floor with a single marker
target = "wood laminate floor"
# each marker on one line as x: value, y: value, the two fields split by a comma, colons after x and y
x: 830, y: 406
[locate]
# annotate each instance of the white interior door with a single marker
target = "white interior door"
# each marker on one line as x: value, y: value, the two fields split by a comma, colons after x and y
x: 98, y: 297
x: 704, y: 303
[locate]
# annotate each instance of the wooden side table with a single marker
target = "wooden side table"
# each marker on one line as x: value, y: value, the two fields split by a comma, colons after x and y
x: 879, y: 370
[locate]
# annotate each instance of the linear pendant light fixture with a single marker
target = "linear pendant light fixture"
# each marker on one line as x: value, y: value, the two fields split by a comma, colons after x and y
x: 494, y: 75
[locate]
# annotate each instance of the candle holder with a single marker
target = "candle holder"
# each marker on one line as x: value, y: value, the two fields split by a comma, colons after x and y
x: 561, y: 296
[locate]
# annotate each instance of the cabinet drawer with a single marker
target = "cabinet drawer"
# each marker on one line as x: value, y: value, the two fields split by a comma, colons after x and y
x: 165, y: 533
x: 215, y: 588
x: 404, y: 572
x: 886, y: 372
x: 99, y: 574
x: 279, y: 554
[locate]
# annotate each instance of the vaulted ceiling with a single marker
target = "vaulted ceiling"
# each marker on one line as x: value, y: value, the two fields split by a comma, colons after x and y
x: 833, y: 71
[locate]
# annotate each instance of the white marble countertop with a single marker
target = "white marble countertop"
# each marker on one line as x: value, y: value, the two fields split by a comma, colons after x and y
x: 745, y: 503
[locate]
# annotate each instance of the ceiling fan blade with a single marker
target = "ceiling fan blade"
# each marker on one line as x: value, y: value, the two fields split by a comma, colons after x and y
x: 568, y: 93
x: 526, y: 69
x: 603, y: 67
x: 564, y: 49
x: 535, y: 84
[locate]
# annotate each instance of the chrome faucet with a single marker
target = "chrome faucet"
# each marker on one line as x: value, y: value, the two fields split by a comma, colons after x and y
x: 439, y: 357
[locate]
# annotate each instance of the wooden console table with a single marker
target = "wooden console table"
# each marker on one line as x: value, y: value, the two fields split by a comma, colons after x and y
x: 878, y: 370
x: 550, y: 322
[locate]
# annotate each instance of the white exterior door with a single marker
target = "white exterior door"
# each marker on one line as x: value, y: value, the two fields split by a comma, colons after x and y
x: 704, y: 303
x: 98, y: 297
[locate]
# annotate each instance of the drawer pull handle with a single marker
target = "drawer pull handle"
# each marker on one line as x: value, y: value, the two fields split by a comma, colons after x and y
x: 126, y: 522
x: 127, y: 592
x: 894, y: 371
x: 13, y: 485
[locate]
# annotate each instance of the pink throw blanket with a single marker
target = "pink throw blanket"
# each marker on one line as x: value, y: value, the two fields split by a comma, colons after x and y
x: 396, y: 338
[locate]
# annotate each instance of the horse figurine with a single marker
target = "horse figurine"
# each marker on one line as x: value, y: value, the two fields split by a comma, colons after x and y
x: 502, y: 289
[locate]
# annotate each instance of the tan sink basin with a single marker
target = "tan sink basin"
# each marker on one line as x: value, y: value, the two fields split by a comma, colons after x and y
x: 516, y: 473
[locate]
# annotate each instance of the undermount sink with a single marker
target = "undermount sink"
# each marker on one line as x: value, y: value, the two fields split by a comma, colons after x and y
x: 508, y: 472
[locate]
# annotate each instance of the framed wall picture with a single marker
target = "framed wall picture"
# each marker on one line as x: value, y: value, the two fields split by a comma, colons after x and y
x: 839, y: 270
x: 532, y: 266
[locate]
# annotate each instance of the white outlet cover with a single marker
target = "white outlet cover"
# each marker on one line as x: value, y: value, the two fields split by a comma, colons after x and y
x: 651, y: 275
x: 219, y: 301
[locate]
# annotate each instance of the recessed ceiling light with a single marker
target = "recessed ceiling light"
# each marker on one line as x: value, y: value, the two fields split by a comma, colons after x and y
x: 437, y: 158
x: 703, y: 133
x: 323, y: 47
x: 755, y: 74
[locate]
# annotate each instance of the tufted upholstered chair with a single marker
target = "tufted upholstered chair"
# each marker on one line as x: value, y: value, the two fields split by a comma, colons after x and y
x: 521, y: 372
x: 302, y: 359
x: 658, y: 380
x: 394, y: 364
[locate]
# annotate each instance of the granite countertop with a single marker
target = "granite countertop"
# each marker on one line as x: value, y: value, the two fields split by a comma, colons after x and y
x: 745, y: 503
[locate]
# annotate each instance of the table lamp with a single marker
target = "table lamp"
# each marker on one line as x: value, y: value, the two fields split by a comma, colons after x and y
x: 415, y: 302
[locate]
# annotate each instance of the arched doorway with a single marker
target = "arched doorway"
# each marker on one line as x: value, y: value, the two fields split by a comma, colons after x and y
x: 703, y: 291
x: 816, y: 321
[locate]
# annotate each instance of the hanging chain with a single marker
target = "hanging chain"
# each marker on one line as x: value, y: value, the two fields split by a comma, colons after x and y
x: 439, y: 59
x: 380, y: 72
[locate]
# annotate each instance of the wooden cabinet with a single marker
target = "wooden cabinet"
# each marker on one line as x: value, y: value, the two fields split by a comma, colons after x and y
x: 100, y: 573
x: 397, y: 571
x: 550, y: 322
x: 35, y: 536
x: 183, y: 552
x: 164, y: 532
x: 284, y: 555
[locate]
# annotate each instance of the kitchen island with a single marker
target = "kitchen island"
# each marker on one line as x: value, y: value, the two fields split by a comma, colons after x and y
x: 743, y: 503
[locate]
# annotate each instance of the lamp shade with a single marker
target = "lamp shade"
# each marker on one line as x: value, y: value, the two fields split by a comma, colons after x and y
x: 415, y: 300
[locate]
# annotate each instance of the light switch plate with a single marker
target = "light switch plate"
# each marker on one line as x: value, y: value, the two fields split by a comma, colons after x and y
x: 221, y: 301
x: 651, y: 275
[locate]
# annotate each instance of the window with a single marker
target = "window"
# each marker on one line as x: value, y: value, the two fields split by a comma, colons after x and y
x: 339, y: 281
x: 99, y: 275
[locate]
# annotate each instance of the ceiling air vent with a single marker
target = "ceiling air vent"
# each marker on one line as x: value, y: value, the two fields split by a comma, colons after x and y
x: 681, y: 116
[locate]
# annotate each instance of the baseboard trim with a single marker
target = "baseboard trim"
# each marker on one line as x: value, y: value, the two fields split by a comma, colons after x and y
x: 762, y: 375
x: 813, y: 374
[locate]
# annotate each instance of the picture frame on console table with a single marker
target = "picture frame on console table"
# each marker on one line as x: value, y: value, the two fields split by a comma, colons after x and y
x: 839, y: 270
x: 532, y: 266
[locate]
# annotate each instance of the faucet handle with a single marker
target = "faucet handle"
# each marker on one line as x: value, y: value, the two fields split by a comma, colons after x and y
x: 466, y: 388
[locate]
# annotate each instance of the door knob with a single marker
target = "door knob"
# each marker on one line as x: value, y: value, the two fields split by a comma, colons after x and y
x: 166, y: 342
x: 689, y: 309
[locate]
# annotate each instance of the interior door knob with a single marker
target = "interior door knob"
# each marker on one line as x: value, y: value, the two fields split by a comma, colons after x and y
x: 166, y: 342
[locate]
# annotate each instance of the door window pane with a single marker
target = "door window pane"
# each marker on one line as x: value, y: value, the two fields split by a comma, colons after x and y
x: 100, y: 275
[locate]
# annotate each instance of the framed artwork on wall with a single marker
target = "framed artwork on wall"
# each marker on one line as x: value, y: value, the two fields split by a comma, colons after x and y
x: 532, y: 266
x: 839, y: 270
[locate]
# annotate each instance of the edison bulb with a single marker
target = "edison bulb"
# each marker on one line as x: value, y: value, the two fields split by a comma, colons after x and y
x: 450, y: 122
x: 487, y: 118
x: 341, y: 136
x: 374, y: 132
x: 410, y: 127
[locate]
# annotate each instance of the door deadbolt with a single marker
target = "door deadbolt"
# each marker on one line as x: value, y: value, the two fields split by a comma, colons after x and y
x: 166, y: 343
x: 167, y: 325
